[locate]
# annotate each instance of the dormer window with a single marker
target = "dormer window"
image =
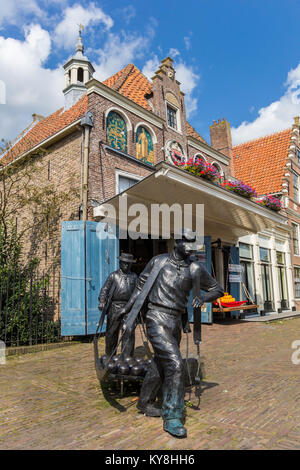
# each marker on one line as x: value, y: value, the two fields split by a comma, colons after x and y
x: 172, y: 117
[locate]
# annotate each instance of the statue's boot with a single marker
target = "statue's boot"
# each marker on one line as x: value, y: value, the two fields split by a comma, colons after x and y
x: 174, y: 427
x: 149, y: 410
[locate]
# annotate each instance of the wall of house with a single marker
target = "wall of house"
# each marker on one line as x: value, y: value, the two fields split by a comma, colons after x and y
x: 291, y: 199
x: 58, y: 170
x: 273, y: 241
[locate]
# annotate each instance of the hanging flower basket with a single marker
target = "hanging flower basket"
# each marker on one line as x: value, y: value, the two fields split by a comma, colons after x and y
x: 271, y: 202
x: 200, y: 168
x: 240, y: 188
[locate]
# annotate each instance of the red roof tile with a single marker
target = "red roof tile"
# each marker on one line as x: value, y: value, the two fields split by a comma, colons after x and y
x: 129, y: 81
x: 261, y: 162
x: 47, y: 127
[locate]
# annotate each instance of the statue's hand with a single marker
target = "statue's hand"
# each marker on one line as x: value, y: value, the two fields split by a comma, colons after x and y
x: 197, y: 302
x: 123, y: 312
x: 101, y: 306
x: 187, y: 328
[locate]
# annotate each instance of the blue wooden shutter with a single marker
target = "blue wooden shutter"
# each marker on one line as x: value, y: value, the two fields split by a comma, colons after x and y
x: 206, y: 316
x: 234, y: 287
x: 101, y: 259
x: 72, y: 279
x: 86, y: 262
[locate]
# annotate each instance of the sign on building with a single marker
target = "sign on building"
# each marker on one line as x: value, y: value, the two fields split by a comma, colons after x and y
x: 235, y: 278
x: 235, y: 268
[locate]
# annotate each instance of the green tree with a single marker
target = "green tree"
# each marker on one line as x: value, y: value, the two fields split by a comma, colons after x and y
x: 26, y: 308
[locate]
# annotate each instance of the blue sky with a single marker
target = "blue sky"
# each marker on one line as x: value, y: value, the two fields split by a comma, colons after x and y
x: 237, y: 59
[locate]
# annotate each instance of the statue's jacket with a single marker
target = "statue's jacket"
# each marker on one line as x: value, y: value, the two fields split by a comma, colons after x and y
x: 117, y: 288
x: 175, y: 280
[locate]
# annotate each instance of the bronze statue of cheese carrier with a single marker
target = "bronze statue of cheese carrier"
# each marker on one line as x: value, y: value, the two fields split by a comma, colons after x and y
x: 164, y: 287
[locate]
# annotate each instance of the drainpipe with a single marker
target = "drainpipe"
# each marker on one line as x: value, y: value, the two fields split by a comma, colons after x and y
x: 87, y: 122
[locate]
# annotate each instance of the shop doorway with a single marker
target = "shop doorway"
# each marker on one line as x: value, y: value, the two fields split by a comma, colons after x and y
x: 143, y: 250
x: 266, y: 279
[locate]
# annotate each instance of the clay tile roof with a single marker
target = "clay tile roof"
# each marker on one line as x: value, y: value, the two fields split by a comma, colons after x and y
x: 193, y: 133
x: 45, y: 128
x: 129, y: 81
x: 261, y: 162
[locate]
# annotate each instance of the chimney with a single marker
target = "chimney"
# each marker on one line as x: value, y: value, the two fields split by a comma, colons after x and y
x: 220, y: 139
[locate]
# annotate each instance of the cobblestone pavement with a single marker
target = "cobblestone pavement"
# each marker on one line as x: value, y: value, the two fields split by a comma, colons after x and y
x: 250, y: 397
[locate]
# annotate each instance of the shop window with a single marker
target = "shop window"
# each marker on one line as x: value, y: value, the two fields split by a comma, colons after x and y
x: 245, y: 250
x: 144, y: 145
x: 172, y: 117
x: 280, y: 257
x: 264, y: 254
x: 247, y: 272
x: 296, y: 186
x: 116, y: 132
x: 295, y: 232
x: 282, y: 281
x: 266, y: 279
x: 297, y: 282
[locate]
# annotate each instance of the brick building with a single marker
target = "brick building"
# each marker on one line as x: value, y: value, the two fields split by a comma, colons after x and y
x: 272, y: 165
x: 127, y: 134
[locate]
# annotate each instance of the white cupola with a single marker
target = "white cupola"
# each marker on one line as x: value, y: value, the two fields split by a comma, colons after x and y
x: 78, y: 71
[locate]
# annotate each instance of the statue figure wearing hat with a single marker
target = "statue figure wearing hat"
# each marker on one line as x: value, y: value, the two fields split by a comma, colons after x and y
x: 113, y: 296
x: 165, y: 285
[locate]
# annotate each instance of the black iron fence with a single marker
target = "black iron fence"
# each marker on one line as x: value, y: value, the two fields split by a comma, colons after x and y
x: 29, y: 308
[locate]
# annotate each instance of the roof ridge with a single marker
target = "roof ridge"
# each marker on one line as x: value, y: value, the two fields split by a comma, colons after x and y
x: 124, y: 74
x: 263, y: 137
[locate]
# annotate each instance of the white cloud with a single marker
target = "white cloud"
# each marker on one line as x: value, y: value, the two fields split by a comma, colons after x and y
x: 12, y: 11
x: 189, y: 81
x: 30, y: 86
x: 128, y: 13
x: 274, y: 117
x: 66, y: 31
x: 118, y: 51
x: 150, y: 67
x: 187, y: 42
x: 173, y: 52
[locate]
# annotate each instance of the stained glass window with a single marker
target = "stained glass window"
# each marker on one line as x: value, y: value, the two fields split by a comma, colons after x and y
x: 144, y: 145
x: 116, y: 132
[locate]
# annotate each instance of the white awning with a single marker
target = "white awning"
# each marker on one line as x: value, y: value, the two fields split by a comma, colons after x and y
x: 226, y: 215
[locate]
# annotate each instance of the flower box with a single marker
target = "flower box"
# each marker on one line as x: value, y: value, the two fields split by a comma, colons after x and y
x: 240, y: 188
x: 271, y: 202
x: 200, y: 168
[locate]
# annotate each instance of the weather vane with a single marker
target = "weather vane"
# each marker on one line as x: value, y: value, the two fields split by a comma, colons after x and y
x: 81, y: 28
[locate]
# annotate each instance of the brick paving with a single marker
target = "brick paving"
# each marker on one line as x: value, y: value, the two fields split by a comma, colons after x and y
x: 250, y: 397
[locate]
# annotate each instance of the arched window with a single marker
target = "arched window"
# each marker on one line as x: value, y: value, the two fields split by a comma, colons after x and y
x: 144, y: 145
x: 116, y: 131
x: 217, y: 167
x: 199, y: 158
x: 80, y: 75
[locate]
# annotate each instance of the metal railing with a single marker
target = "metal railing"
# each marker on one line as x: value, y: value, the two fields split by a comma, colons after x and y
x: 29, y: 308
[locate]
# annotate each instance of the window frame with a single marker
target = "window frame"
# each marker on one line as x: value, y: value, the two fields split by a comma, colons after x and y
x: 125, y: 174
x: 295, y: 176
x: 298, y: 283
x: 177, y: 115
x: 296, y: 226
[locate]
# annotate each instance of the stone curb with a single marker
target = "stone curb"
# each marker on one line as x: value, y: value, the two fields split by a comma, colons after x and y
x: 16, y: 351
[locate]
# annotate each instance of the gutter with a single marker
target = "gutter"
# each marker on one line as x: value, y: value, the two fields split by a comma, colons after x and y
x: 65, y: 131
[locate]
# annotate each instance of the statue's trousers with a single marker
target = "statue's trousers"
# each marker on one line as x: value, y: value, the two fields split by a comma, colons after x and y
x: 166, y: 370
